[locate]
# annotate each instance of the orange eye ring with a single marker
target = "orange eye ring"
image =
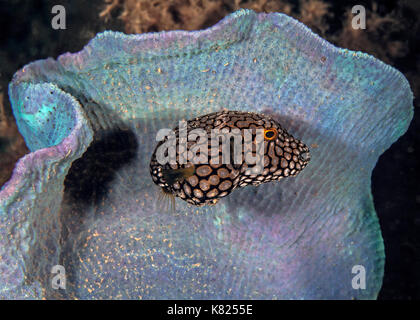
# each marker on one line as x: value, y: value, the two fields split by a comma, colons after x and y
x: 270, y: 134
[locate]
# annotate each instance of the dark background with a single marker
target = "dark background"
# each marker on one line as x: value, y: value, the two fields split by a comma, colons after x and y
x: 392, y: 35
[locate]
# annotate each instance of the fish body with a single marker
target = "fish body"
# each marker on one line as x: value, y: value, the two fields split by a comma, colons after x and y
x: 216, y: 175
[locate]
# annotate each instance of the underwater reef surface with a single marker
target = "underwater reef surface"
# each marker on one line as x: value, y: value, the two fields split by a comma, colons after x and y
x: 83, y: 197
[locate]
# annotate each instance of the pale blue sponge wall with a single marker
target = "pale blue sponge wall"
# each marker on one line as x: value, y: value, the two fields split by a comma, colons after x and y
x: 44, y: 114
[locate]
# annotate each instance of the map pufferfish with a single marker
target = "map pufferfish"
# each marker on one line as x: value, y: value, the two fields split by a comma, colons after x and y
x: 208, y: 181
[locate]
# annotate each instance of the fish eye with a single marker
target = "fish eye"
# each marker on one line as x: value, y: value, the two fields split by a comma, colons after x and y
x: 270, y: 134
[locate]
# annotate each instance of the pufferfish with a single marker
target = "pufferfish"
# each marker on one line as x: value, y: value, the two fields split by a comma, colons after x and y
x: 212, y: 178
